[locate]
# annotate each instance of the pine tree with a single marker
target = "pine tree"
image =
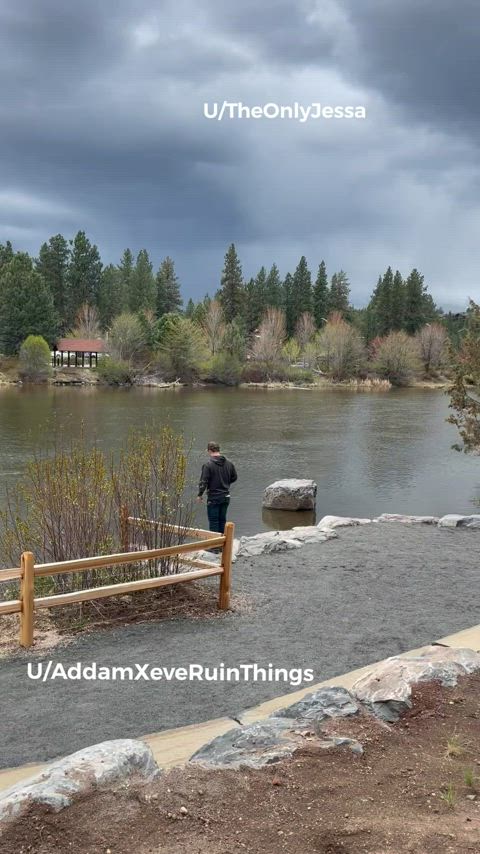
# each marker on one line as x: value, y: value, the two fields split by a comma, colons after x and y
x: 52, y: 264
x: 339, y: 300
x: 252, y: 313
x: 231, y: 292
x: 83, y: 277
x: 168, y: 289
x: 419, y: 306
x: 288, y: 301
x: 142, y: 291
x: 321, y: 296
x: 190, y: 309
x: 302, y: 296
x: 6, y: 253
x: 126, y: 269
x: 273, y: 289
x: 111, y: 295
x: 398, y: 302
x: 382, y: 303
x: 26, y: 305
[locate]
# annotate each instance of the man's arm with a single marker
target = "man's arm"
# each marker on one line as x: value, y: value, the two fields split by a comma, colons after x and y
x: 204, y: 480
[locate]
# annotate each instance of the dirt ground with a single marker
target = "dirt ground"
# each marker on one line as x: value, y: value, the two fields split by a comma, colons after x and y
x: 416, y: 789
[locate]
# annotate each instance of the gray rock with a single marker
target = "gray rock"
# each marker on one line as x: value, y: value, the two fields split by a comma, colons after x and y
x: 290, y: 494
x: 341, y: 522
x: 79, y: 773
x: 453, y: 520
x: 253, y: 746
x: 387, y: 688
x: 406, y: 519
x: 341, y: 741
x: 280, y: 541
x: 334, y: 702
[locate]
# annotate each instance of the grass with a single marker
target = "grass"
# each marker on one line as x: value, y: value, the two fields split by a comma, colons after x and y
x: 470, y: 778
x: 449, y: 795
x: 455, y: 748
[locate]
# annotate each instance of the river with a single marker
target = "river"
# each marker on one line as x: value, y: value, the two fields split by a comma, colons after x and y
x: 369, y: 453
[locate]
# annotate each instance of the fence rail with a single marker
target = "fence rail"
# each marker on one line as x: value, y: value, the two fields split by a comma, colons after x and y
x: 28, y: 571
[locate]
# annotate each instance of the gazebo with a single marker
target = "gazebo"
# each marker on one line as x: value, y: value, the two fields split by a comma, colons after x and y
x: 78, y: 347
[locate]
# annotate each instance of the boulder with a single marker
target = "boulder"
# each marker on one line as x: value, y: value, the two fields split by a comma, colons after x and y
x: 291, y: 494
x: 78, y: 774
x: 280, y: 541
x: 406, y: 519
x: 253, y: 746
x: 334, y: 702
x: 341, y: 522
x: 454, y: 520
x: 387, y: 688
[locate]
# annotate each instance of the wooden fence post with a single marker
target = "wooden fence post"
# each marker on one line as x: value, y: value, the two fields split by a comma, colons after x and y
x: 27, y: 599
x: 225, y: 578
x: 124, y: 534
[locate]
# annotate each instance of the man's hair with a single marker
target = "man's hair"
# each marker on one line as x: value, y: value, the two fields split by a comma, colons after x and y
x: 213, y: 446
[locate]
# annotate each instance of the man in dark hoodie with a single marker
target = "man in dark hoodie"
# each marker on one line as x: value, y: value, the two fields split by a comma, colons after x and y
x: 216, y: 477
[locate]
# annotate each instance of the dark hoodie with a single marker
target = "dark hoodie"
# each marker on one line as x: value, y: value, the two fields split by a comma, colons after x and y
x: 216, y: 477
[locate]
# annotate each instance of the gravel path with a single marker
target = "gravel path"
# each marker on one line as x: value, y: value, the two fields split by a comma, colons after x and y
x: 373, y: 592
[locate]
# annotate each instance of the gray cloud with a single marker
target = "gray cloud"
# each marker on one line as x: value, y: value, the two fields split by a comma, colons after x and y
x: 102, y: 129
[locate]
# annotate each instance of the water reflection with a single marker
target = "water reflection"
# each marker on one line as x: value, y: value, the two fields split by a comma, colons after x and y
x: 281, y: 520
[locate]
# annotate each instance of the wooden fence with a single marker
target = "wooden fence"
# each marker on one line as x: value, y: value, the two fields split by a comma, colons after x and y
x: 28, y: 603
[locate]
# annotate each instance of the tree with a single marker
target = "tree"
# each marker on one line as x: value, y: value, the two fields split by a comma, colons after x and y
x: 341, y: 348
x: 126, y: 269
x: 465, y: 390
x: 231, y: 290
x: 83, y: 277
x: 397, y: 358
x: 302, y: 296
x: 321, y: 296
x: 52, y: 264
x: 268, y: 343
x: 111, y: 298
x: 288, y: 302
x: 234, y: 341
x: 304, y: 330
x: 190, y: 309
x: 339, y: 294
x: 382, y: 303
x: 398, y: 302
x: 253, y: 308
x: 168, y: 289
x: 432, y: 342
x: 213, y: 326
x: 419, y: 306
x: 127, y: 337
x: 184, y: 347
x: 26, y: 305
x: 142, y: 291
x: 35, y: 361
x: 273, y: 289
x: 86, y: 323
x: 6, y: 253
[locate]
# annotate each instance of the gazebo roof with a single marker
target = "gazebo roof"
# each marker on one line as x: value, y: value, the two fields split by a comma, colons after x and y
x: 81, y: 345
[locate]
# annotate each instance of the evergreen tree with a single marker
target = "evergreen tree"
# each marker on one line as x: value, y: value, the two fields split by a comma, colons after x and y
x: 126, y: 269
x: 231, y: 292
x: 252, y: 313
x: 168, y: 289
x: 398, y: 302
x: 419, y: 306
x: 321, y: 296
x: 273, y: 289
x: 302, y: 296
x: 142, y: 291
x: 190, y: 309
x: 6, y: 253
x: 111, y: 295
x: 382, y: 303
x: 288, y: 301
x: 52, y: 264
x: 26, y: 305
x: 339, y: 294
x: 83, y: 277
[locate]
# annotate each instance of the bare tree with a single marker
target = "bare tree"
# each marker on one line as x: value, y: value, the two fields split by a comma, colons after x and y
x: 304, y: 331
x: 213, y: 325
x: 86, y: 323
x: 270, y: 338
x: 433, y: 345
x: 341, y: 346
x: 397, y: 358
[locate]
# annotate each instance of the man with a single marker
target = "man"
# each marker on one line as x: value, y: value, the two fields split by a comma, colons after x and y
x: 216, y: 477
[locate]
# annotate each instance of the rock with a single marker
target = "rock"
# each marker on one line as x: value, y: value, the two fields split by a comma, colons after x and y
x: 253, y: 746
x: 341, y: 741
x: 453, y: 520
x: 387, y: 688
x: 407, y: 520
x: 334, y: 702
x: 341, y: 522
x: 79, y: 773
x: 291, y: 494
x: 280, y: 541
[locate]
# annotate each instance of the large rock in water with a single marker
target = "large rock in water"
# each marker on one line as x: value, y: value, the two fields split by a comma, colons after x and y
x: 290, y: 494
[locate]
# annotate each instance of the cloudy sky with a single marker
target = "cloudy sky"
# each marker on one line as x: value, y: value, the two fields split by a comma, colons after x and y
x: 102, y: 128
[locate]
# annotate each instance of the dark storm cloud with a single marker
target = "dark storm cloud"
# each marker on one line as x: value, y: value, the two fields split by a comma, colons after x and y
x: 102, y: 129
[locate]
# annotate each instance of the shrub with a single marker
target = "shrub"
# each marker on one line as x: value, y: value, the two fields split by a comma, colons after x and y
x: 115, y: 372
x: 397, y: 358
x: 341, y: 347
x: 127, y: 337
x: 224, y: 369
x: 184, y: 347
x: 35, y: 359
x: 299, y: 375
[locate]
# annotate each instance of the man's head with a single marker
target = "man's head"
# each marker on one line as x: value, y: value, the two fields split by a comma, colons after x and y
x: 213, y: 449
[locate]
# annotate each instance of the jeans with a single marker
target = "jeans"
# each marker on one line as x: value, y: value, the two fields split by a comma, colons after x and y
x: 217, y: 515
